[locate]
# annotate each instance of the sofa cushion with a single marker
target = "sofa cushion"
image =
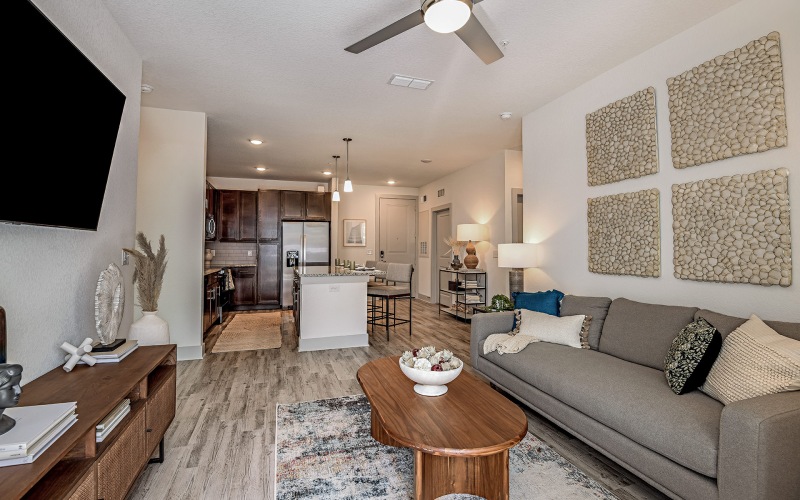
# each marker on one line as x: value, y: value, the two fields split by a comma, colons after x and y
x: 642, y: 333
x: 543, y: 302
x: 726, y: 324
x: 565, y: 330
x: 755, y: 360
x: 691, y: 356
x: 596, y: 307
x: 632, y: 399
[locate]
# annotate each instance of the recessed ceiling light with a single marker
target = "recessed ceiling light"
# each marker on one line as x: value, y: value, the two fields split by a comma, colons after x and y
x: 426, y: 160
x: 327, y: 172
x: 505, y: 115
x: 146, y: 89
x: 256, y: 142
x: 261, y: 169
x: 390, y: 182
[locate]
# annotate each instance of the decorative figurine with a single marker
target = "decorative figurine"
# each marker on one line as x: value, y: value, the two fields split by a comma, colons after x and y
x: 10, y: 391
x: 80, y: 353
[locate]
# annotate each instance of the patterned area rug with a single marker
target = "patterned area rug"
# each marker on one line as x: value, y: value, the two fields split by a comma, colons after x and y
x: 250, y: 332
x: 325, y: 451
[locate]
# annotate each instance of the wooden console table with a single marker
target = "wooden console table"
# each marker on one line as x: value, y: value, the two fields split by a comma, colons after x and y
x: 75, y: 466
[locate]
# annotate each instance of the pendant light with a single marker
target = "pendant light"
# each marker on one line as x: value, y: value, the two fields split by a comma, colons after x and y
x: 348, y: 186
x: 335, y: 196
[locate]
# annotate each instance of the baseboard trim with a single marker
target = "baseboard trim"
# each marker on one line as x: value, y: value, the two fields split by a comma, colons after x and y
x: 189, y: 352
x: 342, y: 342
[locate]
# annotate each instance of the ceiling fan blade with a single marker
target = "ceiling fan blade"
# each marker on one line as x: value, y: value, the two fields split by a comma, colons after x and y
x: 394, y: 29
x: 475, y: 36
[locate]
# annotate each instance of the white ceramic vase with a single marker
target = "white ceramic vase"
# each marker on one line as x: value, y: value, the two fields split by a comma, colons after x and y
x: 150, y: 329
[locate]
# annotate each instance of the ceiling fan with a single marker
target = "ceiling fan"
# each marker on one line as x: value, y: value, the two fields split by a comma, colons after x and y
x: 443, y: 16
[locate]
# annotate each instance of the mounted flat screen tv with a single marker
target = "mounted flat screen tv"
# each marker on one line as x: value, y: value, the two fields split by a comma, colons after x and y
x: 61, y: 118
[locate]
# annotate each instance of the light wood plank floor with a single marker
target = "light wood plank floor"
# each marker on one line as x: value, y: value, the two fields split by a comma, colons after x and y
x: 221, y: 444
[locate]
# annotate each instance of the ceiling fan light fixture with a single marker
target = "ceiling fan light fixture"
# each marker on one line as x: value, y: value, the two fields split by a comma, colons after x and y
x: 446, y: 16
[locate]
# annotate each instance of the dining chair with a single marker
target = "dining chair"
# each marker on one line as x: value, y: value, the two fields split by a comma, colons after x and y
x: 398, y: 286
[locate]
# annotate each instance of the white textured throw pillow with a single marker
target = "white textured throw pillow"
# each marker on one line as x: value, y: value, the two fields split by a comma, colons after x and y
x: 754, y: 360
x: 564, y: 330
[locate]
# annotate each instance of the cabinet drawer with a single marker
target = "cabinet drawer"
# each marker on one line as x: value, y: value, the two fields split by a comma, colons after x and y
x: 87, y: 489
x: 160, y: 410
x: 121, y: 463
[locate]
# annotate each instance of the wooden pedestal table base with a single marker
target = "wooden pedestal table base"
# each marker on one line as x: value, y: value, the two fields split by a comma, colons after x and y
x: 460, y: 439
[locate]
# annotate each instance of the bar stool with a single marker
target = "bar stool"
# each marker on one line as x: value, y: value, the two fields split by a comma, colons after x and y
x: 384, y: 314
x: 378, y: 280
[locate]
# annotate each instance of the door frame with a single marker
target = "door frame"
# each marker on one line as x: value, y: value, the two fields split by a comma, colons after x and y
x: 376, y: 250
x: 435, y: 248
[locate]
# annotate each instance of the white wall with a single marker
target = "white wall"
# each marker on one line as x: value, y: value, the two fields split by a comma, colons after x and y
x: 361, y: 204
x: 513, y: 181
x: 49, y: 275
x: 477, y: 195
x: 555, y: 167
x: 241, y: 184
x: 171, y: 201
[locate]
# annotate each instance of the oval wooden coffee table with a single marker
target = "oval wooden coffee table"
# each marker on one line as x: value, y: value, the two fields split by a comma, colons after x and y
x: 460, y: 439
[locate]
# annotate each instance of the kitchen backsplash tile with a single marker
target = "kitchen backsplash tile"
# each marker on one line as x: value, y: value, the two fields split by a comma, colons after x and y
x: 232, y: 254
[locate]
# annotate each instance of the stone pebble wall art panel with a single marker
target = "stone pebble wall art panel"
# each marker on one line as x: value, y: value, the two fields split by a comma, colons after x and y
x: 734, y: 229
x: 729, y: 106
x: 625, y: 234
x: 621, y: 139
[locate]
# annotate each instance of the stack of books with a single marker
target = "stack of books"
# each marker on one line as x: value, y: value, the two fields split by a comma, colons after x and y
x: 36, y: 428
x: 111, y: 420
x: 473, y: 298
x: 116, y: 355
x: 471, y: 284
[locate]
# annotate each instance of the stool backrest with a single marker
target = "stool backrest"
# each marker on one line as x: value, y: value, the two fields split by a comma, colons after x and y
x: 370, y: 263
x: 399, y: 273
x: 382, y: 266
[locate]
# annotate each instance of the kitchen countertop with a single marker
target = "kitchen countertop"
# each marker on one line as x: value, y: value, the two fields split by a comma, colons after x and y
x: 332, y: 272
x: 216, y: 269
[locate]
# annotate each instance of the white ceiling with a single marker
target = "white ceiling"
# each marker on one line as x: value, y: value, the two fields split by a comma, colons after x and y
x: 277, y: 70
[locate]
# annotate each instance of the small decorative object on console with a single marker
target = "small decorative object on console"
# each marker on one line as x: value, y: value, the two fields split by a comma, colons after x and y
x: 10, y: 390
x: 501, y: 302
x: 430, y: 369
x: 148, y: 277
x: 109, y: 304
x: 75, y: 354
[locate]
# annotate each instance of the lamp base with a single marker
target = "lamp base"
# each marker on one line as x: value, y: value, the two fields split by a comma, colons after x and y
x: 516, y: 280
x: 471, y: 260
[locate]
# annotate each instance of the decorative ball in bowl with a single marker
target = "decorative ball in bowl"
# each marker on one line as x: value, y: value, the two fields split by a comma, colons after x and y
x: 430, y: 369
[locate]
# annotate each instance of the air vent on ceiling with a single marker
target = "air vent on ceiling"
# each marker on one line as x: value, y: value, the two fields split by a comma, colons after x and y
x: 440, y: 193
x: 410, y: 82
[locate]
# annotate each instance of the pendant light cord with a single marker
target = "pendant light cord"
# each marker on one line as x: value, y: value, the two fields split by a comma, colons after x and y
x: 347, y: 142
x: 336, y: 157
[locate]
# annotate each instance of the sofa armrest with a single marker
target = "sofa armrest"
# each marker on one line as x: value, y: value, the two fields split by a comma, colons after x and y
x: 485, y: 324
x: 759, y: 448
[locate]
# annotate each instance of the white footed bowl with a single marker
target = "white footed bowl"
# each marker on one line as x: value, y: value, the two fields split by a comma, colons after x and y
x: 430, y: 383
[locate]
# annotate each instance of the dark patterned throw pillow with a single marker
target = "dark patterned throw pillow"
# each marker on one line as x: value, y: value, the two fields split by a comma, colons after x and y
x: 690, y: 358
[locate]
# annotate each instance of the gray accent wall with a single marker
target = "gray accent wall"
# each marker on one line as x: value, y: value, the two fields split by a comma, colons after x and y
x: 48, y: 275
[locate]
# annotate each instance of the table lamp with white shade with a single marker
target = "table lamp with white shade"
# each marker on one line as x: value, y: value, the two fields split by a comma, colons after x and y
x: 517, y: 256
x: 470, y: 233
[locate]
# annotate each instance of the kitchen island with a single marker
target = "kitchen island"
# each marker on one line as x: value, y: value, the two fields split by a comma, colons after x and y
x: 330, y: 309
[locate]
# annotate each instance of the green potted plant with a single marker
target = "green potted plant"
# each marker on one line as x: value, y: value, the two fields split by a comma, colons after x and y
x: 148, y: 276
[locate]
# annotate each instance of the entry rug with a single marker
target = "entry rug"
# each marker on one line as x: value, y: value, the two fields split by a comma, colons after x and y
x: 325, y: 451
x: 250, y: 332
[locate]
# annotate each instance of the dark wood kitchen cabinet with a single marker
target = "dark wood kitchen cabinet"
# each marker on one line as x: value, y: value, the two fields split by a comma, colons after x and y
x: 269, y: 215
x: 318, y: 206
x: 305, y: 205
x: 247, y: 215
x: 237, y: 215
x: 269, y: 273
x: 244, y: 282
x: 293, y: 205
x: 211, y: 212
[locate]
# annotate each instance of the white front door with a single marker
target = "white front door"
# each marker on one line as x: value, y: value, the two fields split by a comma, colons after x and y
x: 397, y: 239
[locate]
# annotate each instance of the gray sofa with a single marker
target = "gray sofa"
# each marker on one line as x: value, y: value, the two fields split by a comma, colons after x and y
x: 615, y: 398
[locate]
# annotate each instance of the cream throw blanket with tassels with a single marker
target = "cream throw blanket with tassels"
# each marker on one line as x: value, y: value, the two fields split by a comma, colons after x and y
x: 505, y: 343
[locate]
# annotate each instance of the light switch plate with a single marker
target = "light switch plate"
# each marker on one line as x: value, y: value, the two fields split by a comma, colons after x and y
x: 333, y: 288
x: 249, y: 253
x: 369, y: 252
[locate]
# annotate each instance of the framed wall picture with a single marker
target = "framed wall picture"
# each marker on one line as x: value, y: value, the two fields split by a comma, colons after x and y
x: 355, y: 233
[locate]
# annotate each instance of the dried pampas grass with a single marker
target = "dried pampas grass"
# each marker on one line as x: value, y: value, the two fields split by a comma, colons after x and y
x: 148, y: 274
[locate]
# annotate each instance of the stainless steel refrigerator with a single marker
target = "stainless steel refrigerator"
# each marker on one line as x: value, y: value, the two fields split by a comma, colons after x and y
x: 305, y: 245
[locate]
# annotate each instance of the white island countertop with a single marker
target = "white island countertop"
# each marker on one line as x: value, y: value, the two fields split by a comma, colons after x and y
x: 331, y: 309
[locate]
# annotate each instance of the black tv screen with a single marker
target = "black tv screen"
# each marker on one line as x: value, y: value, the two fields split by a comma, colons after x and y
x: 63, y: 116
